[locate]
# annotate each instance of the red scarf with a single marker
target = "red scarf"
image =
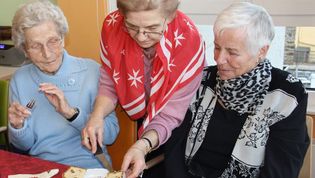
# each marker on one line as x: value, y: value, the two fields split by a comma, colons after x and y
x: 179, y: 59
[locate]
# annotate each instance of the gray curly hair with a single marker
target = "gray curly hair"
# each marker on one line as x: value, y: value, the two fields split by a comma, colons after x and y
x: 34, y: 13
x: 254, y: 19
x: 167, y: 7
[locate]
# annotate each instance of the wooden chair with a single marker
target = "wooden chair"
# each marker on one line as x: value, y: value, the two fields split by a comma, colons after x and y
x: 306, y: 170
x: 4, y: 95
x: 127, y: 136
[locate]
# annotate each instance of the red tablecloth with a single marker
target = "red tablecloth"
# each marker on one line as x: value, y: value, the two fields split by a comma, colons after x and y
x: 11, y: 163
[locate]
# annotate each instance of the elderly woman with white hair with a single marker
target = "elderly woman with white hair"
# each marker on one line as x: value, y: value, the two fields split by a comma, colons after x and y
x: 247, y: 118
x: 63, y: 87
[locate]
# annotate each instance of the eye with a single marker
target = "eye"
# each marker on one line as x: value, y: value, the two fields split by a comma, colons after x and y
x: 53, y: 41
x: 130, y: 26
x: 216, y: 48
x: 154, y: 28
x: 233, y: 53
x: 35, y: 46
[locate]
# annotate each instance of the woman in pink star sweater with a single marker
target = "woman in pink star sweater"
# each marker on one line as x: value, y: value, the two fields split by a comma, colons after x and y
x: 152, y: 56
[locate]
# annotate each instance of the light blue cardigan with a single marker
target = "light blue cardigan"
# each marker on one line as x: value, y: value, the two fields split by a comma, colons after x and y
x: 46, y: 133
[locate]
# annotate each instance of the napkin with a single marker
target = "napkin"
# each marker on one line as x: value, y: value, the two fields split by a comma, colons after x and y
x: 95, y: 173
x: 46, y: 174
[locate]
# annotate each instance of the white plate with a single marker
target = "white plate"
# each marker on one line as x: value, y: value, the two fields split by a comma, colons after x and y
x: 95, y: 173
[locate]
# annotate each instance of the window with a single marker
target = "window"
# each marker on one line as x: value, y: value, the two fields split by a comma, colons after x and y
x: 293, y: 49
x: 300, y: 54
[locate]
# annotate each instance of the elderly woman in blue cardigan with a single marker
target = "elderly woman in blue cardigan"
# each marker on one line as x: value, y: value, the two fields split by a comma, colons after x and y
x: 63, y: 86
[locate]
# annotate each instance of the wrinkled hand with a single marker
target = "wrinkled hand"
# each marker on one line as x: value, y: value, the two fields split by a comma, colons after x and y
x: 92, y: 133
x: 56, y: 97
x: 17, y: 115
x: 134, y: 160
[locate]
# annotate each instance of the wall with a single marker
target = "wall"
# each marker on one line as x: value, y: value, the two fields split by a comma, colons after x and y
x: 7, y: 10
x: 283, y: 12
x: 85, y: 21
x: 306, y: 37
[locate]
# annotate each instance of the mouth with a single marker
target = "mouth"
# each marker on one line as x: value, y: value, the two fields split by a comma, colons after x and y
x: 223, y: 70
x: 144, y: 43
x: 49, y: 62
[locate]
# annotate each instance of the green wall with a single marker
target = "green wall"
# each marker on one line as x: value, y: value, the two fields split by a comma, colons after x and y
x: 8, y: 8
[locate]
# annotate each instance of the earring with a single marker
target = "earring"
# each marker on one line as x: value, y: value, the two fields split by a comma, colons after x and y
x: 259, y: 59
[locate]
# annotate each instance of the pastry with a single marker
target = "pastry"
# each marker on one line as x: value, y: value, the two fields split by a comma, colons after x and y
x: 74, y: 172
x: 116, y: 174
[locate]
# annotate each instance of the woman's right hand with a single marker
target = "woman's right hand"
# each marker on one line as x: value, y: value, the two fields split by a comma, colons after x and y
x: 134, y: 160
x: 92, y: 133
x: 17, y: 115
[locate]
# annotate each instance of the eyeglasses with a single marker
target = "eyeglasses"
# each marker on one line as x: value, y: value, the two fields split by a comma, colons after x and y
x: 134, y: 31
x: 52, y: 44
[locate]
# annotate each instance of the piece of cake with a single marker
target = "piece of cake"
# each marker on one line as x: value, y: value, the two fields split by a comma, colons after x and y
x: 74, y: 172
x: 116, y: 174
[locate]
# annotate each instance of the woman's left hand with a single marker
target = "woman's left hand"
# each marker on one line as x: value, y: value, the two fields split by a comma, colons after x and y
x: 56, y: 97
x: 134, y: 160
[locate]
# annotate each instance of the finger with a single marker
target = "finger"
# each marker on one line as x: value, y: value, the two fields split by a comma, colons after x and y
x: 12, y: 111
x: 46, y: 85
x: 126, y: 162
x: 17, y: 107
x: 136, y: 170
x: 100, y: 137
x: 92, y: 137
x: 55, y: 92
x: 85, y: 139
x: 19, y: 110
x: 16, y: 122
x: 51, y: 89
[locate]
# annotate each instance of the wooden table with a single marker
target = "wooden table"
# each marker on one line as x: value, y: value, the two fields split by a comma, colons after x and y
x: 12, y: 163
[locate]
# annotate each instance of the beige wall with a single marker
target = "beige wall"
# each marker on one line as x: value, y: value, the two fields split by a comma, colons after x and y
x: 7, y: 10
x: 305, y: 36
x: 85, y: 18
x: 85, y: 21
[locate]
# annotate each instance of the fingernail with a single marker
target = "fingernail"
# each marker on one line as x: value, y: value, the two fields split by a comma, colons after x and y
x: 28, y: 112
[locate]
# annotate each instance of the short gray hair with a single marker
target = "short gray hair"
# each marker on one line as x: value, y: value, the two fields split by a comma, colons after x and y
x: 255, y: 21
x: 34, y: 13
x: 167, y: 7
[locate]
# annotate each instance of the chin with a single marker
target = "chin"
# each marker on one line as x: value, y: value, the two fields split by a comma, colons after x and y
x: 225, y: 77
x: 146, y: 44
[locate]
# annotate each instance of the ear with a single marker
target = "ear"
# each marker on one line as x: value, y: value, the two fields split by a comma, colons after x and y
x: 263, y: 52
x: 23, y: 49
x: 63, y: 42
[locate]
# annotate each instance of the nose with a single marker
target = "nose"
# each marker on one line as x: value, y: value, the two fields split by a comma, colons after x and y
x: 46, y: 51
x: 220, y: 58
x: 141, y: 36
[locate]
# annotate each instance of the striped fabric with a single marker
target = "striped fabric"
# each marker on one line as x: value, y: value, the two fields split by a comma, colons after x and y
x: 179, y: 59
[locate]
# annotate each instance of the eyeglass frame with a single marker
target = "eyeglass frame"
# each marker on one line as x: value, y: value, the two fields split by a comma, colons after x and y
x: 145, y: 33
x: 50, y: 45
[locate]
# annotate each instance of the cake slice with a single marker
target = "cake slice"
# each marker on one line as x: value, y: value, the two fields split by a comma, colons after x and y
x: 74, y: 172
x: 116, y: 174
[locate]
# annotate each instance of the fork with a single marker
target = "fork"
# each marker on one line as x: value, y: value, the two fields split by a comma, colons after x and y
x: 31, y: 104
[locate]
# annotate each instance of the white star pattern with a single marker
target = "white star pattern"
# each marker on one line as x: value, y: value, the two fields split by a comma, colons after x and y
x: 188, y: 24
x: 116, y: 76
x: 112, y: 20
x: 178, y: 37
x: 135, y: 78
x: 123, y: 52
x: 171, y: 64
